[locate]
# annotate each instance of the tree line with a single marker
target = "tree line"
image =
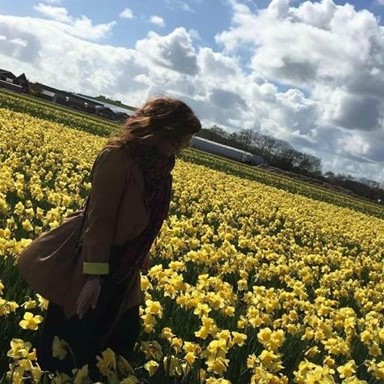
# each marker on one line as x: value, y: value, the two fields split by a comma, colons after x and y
x: 280, y: 154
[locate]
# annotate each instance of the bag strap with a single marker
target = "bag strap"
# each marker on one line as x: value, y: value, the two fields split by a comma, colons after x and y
x: 83, y: 220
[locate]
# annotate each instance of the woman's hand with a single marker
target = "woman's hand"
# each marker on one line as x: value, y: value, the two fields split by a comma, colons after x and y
x: 88, y: 296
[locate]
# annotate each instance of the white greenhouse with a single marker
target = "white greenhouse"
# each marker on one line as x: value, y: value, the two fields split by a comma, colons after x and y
x: 225, y: 151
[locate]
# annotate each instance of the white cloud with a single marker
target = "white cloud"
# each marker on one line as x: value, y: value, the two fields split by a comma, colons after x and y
x: 21, y: 45
x: 55, y: 2
x: 53, y: 56
x: 179, y: 4
x: 316, y: 14
x: 66, y: 61
x: 157, y: 20
x: 216, y: 64
x: 174, y: 51
x: 293, y: 46
x: 20, y: 42
x: 126, y: 13
x: 354, y: 144
x: 334, y: 54
x: 82, y: 27
x: 56, y: 13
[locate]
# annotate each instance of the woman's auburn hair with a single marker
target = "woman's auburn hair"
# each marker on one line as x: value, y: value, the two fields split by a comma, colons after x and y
x: 160, y: 117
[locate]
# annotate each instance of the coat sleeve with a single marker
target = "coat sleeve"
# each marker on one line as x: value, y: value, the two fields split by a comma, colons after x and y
x: 109, y: 176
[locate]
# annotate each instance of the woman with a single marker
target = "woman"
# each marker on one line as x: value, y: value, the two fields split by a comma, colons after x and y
x: 129, y: 200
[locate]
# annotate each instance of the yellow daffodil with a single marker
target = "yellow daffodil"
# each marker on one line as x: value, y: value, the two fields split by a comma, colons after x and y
x: 131, y: 379
x: 237, y: 261
x: 80, y: 375
x: 106, y: 362
x: 151, y: 366
x: 21, y: 349
x: 30, y: 321
x: 59, y: 348
x: 347, y: 370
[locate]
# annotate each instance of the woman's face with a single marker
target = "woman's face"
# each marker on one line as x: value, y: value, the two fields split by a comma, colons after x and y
x: 168, y: 146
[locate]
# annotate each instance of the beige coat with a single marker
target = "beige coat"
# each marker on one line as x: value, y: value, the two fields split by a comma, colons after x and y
x: 116, y: 213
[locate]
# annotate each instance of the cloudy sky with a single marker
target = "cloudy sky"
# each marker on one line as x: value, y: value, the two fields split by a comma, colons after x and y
x: 308, y: 72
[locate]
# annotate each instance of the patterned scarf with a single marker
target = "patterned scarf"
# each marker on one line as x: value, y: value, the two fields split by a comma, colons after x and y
x: 158, y: 189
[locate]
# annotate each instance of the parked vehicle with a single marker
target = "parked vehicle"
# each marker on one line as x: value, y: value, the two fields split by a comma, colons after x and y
x: 225, y: 151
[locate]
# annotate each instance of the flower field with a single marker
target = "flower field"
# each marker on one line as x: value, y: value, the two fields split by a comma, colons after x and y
x: 248, y: 284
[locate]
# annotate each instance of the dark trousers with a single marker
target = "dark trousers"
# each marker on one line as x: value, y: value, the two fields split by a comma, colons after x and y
x: 84, y: 335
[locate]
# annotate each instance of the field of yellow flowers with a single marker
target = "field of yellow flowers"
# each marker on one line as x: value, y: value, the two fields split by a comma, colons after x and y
x: 249, y: 283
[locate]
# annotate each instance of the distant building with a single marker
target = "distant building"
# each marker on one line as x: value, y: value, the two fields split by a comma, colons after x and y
x: 15, y: 83
x: 7, y: 76
x: 105, y: 112
x: 23, y: 82
x: 121, y: 116
x: 120, y: 113
x: 67, y: 99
